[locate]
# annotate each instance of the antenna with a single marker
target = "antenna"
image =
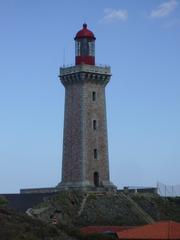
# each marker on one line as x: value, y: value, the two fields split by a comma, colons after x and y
x: 64, y: 57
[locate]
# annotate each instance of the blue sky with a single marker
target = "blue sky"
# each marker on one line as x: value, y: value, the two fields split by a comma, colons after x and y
x: 140, y: 40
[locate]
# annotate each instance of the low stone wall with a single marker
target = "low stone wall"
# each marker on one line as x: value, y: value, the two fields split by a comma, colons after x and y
x: 38, y: 190
x: 139, y: 190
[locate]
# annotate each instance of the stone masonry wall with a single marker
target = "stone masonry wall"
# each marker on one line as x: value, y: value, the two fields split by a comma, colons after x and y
x: 72, y: 146
x: 95, y: 139
x: 80, y: 137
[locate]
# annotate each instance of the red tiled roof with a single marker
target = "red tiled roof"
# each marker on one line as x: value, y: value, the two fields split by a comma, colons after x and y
x: 158, y: 230
x: 103, y: 229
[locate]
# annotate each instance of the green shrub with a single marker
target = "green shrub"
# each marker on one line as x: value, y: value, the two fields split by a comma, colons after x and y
x: 3, y: 201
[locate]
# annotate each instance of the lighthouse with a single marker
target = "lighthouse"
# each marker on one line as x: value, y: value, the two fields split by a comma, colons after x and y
x: 85, y: 162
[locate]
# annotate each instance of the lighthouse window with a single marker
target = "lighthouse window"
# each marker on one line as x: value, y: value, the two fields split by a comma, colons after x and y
x: 94, y: 124
x: 77, y: 48
x: 84, y: 47
x: 91, y: 48
x: 95, y: 153
x: 94, y: 96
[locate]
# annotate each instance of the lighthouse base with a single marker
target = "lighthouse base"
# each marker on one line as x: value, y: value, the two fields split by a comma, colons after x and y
x: 106, y: 186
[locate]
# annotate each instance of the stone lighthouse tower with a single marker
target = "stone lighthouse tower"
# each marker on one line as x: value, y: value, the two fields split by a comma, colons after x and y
x: 85, y: 163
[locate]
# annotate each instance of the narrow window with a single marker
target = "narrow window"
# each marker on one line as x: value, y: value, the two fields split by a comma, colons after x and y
x: 95, y: 153
x: 94, y: 124
x: 94, y: 96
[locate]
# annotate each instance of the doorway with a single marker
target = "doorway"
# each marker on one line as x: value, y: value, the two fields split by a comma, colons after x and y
x: 96, y: 179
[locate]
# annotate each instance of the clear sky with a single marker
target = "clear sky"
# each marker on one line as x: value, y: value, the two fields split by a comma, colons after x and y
x: 140, y: 40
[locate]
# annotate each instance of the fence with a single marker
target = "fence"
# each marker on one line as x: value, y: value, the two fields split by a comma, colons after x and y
x: 168, y: 190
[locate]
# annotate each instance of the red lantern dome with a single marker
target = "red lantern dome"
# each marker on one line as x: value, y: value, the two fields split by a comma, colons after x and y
x: 85, y: 46
x: 85, y: 33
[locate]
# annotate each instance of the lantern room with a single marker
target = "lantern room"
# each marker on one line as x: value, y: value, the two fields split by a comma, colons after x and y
x: 85, y: 46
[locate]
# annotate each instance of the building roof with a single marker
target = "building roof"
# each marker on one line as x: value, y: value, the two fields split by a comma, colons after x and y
x: 85, y: 33
x: 103, y: 229
x: 158, y: 230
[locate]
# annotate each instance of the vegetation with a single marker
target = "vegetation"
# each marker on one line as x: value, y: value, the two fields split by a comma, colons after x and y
x: 109, y: 209
x: 3, y: 201
x: 159, y: 208
x: 96, y: 209
x: 21, y: 227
